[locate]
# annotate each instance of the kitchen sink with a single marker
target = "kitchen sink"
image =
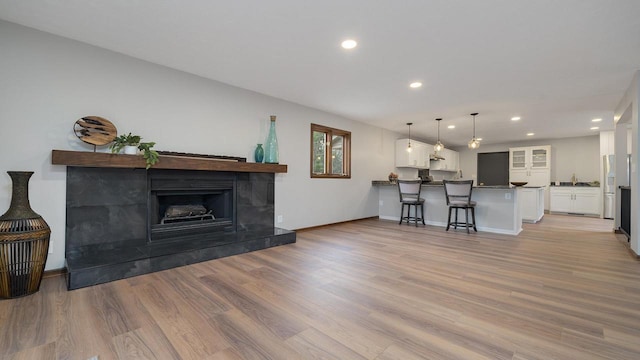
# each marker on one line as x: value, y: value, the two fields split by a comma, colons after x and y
x: 580, y: 183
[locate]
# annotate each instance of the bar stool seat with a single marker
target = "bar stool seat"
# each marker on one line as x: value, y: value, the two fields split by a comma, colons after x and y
x: 409, y: 191
x: 458, y: 195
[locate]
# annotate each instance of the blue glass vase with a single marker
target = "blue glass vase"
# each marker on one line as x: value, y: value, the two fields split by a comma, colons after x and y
x: 258, y: 155
x: 271, y: 145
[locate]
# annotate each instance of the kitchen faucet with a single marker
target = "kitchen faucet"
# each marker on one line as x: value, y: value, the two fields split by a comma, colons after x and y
x: 574, y: 179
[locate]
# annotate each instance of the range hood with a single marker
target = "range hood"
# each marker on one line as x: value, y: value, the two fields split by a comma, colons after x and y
x: 436, y: 156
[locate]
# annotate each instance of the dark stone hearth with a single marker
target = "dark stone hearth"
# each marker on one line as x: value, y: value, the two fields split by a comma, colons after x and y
x: 93, y: 265
x: 113, y: 220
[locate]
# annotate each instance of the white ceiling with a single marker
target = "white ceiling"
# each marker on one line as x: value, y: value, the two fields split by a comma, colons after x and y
x: 555, y: 63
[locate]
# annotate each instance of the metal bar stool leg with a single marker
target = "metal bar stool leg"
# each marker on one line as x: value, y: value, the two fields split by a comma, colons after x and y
x: 473, y: 216
x: 466, y: 217
x: 455, y: 224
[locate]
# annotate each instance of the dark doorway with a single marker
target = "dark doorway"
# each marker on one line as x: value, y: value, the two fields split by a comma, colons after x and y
x: 493, y: 168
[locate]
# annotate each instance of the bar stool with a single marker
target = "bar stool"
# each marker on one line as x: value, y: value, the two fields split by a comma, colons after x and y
x: 458, y: 194
x: 409, y: 191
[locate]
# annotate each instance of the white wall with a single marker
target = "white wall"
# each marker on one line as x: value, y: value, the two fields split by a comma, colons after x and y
x: 48, y: 82
x: 579, y: 155
x: 626, y: 116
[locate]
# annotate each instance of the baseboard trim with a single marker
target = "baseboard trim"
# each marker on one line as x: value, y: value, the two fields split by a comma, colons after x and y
x: 335, y: 223
x: 54, y: 273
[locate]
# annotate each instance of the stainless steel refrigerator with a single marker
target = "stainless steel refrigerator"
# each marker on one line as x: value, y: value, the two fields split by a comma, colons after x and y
x: 609, y: 186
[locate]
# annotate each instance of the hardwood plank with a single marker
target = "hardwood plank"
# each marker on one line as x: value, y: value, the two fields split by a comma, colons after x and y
x: 279, y: 323
x: 251, y: 340
x: 148, y: 342
x: 81, y: 335
x: 313, y: 344
x: 341, y: 320
x: 42, y: 352
x: 29, y: 321
x: 191, y: 335
x: 193, y: 292
x: 226, y: 354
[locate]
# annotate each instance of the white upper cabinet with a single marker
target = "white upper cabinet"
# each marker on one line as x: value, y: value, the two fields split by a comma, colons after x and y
x: 531, y: 157
x: 451, y: 161
x: 530, y: 164
x: 418, y: 158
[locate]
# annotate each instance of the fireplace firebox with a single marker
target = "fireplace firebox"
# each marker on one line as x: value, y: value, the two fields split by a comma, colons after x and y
x: 184, y: 204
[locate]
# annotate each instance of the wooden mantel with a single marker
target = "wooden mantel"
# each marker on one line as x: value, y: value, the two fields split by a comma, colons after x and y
x: 96, y: 159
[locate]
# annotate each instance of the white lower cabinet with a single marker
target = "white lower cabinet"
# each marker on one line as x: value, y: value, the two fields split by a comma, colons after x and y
x: 531, y: 203
x: 577, y: 200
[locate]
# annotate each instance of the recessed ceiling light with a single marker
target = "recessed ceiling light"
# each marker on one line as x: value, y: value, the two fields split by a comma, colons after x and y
x: 451, y: 127
x: 594, y: 128
x: 415, y: 85
x: 515, y: 118
x: 530, y: 134
x: 596, y: 120
x: 349, y: 44
x: 479, y: 139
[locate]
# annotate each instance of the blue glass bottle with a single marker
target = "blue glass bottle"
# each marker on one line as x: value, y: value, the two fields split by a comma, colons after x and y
x: 258, y: 155
x: 271, y: 145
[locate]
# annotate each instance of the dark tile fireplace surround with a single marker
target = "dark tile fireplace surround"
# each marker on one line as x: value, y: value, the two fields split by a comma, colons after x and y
x: 115, y: 226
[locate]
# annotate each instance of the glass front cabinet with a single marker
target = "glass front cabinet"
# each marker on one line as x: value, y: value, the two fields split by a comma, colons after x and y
x: 528, y: 158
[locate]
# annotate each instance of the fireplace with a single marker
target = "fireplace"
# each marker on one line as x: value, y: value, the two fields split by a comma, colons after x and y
x: 123, y: 222
x: 186, y: 203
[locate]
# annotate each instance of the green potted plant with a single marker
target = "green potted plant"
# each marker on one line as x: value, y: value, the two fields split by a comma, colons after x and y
x: 130, y: 144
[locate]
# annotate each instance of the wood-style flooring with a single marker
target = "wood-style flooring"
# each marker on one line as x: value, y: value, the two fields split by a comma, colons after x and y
x: 566, y: 288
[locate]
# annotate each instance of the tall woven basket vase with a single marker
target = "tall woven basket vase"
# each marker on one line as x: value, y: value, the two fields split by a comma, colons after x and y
x: 24, y: 242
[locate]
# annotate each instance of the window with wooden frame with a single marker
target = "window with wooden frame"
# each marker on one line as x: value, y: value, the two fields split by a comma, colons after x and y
x: 330, y: 152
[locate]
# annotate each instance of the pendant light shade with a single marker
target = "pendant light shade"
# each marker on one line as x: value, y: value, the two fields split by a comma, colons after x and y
x: 409, y: 143
x: 474, y: 143
x: 438, y: 146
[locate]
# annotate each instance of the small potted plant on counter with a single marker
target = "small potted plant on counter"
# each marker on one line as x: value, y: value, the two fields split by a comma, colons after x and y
x: 130, y: 144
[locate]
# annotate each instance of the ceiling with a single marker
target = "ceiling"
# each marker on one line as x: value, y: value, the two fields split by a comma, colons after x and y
x: 556, y: 64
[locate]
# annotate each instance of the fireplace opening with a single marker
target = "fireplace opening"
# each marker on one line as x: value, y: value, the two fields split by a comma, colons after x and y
x: 183, y: 213
x: 189, y: 207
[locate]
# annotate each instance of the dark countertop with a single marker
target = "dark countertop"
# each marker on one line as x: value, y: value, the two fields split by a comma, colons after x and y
x: 621, y: 187
x: 578, y: 184
x: 439, y: 184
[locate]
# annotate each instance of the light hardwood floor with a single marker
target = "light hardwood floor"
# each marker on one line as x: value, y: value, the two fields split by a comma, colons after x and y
x: 566, y: 288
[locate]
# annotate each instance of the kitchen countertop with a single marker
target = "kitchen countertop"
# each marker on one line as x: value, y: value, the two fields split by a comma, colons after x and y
x: 578, y: 184
x: 439, y: 184
x: 622, y: 187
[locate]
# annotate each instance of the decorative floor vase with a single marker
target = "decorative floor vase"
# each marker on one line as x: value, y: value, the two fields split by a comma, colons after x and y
x: 24, y: 242
x: 258, y: 155
x: 271, y: 145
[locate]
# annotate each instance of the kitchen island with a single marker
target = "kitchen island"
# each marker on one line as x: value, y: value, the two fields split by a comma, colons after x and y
x: 497, y: 209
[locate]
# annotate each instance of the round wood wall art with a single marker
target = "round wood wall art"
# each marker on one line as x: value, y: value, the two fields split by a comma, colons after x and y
x: 95, y: 130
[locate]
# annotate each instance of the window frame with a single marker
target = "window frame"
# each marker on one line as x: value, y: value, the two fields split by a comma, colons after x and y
x: 346, y: 152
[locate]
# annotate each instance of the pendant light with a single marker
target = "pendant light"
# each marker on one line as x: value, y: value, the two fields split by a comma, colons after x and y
x: 474, y: 143
x: 438, y: 146
x: 409, y: 143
